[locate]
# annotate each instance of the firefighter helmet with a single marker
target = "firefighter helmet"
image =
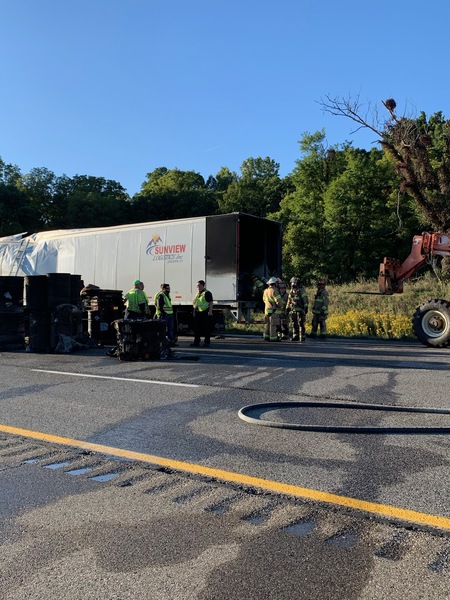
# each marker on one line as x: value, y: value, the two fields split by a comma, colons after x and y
x: 272, y: 281
x: 295, y: 281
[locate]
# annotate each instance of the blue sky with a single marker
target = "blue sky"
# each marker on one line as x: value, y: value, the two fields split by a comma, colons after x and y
x: 115, y: 88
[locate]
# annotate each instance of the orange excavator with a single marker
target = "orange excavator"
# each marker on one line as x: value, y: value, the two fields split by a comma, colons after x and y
x: 431, y: 320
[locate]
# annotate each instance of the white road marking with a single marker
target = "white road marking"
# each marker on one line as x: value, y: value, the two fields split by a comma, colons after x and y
x: 190, y: 385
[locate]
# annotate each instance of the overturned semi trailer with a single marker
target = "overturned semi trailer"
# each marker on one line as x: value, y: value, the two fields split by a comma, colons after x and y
x: 234, y: 253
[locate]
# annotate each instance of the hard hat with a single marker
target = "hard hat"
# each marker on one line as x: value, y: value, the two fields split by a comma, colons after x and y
x: 272, y: 280
x: 137, y: 282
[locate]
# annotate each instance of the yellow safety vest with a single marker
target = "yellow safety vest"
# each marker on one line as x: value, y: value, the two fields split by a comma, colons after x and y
x: 168, y: 310
x: 199, y: 302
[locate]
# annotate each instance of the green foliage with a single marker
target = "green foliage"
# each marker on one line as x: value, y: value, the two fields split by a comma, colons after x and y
x: 92, y: 201
x: 357, y: 310
x: 344, y: 214
x: 302, y: 211
x: 80, y: 201
x: 358, y: 224
x: 222, y: 181
x: 17, y: 215
x: 9, y: 174
x: 362, y: 294
x: 342, y: 209
x: 173, y: 194
x: 258, y: 191
x: 41, y: 185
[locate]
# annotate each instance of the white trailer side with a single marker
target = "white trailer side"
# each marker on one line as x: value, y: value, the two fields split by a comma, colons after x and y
x: 227, y: 251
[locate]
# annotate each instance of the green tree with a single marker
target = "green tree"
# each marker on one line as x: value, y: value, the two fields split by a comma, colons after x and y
x: 173, y: 194
x: 222, y: 181
x: 9, y: 174
x: 258, y: 191
x: 302, y: 212
x: 79, y: 201
x: 39, y: 185
x: 93, y: 201
x: 17, y: 215
x: 360, y: 225
x: 344, y: 214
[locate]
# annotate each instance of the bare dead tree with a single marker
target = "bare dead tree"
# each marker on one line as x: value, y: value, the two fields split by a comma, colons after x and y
x: 419, y: 147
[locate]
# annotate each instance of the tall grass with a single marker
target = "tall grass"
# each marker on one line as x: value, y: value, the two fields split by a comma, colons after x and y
x: 358, y: 311
x: 355, y: 311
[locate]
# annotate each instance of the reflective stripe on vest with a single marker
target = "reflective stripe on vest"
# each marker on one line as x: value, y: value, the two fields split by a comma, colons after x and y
x: 271, y: 299
x: 200, y: 303
x: 168, y: 310
x: 134, y: 298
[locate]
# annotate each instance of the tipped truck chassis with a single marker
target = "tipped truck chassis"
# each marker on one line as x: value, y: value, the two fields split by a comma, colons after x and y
x: 226, y: 251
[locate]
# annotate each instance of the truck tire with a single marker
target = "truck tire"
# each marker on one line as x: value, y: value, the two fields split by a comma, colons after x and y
x: 431, y: 323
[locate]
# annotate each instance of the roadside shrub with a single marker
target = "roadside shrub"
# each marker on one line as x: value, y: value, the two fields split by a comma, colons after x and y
x: 370, y: 324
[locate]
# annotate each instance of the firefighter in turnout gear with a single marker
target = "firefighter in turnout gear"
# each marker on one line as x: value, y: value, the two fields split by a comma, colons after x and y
x: 320, y: 310
x: 298, y: 309
x: 258, y: 286
x: 283, y: 328
x: 272, y: 304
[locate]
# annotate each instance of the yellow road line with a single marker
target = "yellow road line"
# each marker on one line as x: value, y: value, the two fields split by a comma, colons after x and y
x: 383, y: 510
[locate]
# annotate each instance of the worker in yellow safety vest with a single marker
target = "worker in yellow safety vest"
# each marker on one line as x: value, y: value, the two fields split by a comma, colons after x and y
x: 136, y: 302
x: 203, y: 312
x: 164, y: 311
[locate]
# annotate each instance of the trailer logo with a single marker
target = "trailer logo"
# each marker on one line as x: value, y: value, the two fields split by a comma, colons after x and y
x: 168, y: 252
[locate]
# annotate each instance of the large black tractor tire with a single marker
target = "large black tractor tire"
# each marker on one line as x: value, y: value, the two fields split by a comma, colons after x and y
x: 431, y: 323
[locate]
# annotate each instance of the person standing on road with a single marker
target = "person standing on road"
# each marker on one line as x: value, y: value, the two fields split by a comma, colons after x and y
x: 283, y: 328
x: 203, y: 311
x: 136, y: 302
x: 320, y: 310
x: 272, y: 304
x: 298, y: 309
x: 164, y: 311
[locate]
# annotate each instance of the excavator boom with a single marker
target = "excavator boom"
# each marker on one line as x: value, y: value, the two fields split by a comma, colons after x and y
x: 424, y: 248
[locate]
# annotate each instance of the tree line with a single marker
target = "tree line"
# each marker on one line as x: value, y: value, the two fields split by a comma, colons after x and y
x: 342, y: 208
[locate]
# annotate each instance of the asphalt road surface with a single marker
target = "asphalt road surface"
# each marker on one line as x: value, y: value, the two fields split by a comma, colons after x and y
x: 140, y: 480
